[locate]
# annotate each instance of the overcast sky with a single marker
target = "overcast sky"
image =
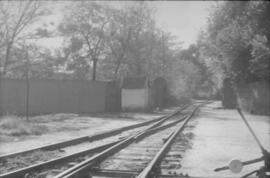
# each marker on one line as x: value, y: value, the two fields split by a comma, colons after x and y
x: 183, y: 19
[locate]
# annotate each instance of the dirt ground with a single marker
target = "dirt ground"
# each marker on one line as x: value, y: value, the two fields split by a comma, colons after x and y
x: 60, y: 127
x: 219, y: 136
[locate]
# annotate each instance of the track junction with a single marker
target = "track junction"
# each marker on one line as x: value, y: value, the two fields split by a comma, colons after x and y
x: 146, y: 149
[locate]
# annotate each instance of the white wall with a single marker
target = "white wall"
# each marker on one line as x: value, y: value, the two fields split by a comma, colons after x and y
x: 134, y: 99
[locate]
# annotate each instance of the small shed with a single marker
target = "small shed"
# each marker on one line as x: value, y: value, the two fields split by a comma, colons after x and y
x: 135, y: 94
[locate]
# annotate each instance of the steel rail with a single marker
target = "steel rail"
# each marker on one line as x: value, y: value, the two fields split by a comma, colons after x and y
x: 77, y: 169
x: 81, y: 139
x: 168, y: 117
x: 20, y: 172
x: 77, y: 172
x: 36, y: 167
x: 103, y: 155
x: 151, y: 128
x: 132, y: 174
x: 149, y: 169
x: 113, y: 173
x: 89, y: 138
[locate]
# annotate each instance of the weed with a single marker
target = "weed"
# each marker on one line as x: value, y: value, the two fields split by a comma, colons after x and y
x: 15, y: 126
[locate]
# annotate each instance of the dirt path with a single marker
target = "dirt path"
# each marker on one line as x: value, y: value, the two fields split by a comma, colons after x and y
x: 220, y: 136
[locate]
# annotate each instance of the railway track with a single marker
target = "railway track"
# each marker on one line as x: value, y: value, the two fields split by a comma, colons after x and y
x: 141, y: 160
x: 139, y: 155
x: 105, y: 141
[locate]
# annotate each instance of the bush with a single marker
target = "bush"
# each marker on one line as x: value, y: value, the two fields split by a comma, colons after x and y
x: 16, y: 126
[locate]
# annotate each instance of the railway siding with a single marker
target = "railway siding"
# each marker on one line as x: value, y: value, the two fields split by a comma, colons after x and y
x: 131, y: 157
x: 81, y: 168
x: 137, y: 155
x: 66, y: 152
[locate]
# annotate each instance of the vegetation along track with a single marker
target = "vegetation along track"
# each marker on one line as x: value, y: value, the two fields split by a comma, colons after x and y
x: 57, y: 152
x: 137, y: 155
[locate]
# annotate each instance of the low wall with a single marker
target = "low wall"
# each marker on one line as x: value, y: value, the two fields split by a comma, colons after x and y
x: 135, y: 99
x: 56, y: 96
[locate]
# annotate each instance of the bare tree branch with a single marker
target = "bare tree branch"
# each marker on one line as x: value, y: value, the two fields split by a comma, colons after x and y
x: 15, y: 21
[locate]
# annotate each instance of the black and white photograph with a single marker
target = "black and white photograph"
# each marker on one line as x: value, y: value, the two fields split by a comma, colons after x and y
x: 134, y: 89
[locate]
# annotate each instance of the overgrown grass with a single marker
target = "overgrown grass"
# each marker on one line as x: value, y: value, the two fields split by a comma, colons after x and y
x: 15, y: 126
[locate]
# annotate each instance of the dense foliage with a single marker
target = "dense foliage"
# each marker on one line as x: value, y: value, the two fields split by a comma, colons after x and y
x: 15, y: 19
x: 236, y: 43
x: 100, y: 43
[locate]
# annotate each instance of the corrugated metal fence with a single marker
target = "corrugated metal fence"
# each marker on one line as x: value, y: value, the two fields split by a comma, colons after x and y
x: 58, y: 96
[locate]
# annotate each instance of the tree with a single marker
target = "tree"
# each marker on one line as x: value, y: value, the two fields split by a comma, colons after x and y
x: 142, y: 35
x: 84, y: 27
x: 137, y: 45
x: 193, y: 55
x: 126, y: 42
x: 238, y: 38
x: 15, y: 18
x: 118, y: 37
x: 132, y: 39
x: 184, y: 79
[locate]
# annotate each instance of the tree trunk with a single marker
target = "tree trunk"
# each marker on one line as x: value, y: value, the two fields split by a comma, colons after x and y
x: 27, y: 87
x: 94, y: 69
x: 6, y: 59
x: 116, y: 70
x: 138, y: 67
x: 118, y: 65
x: 1, y: 110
